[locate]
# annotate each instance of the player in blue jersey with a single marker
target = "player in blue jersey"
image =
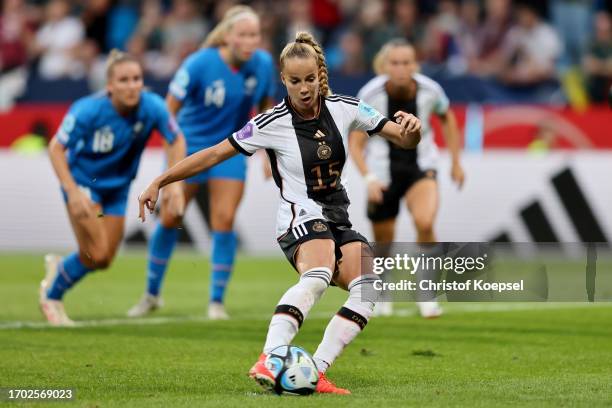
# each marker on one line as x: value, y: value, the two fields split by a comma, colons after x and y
x: 213, y: 94
x: 95, y: 155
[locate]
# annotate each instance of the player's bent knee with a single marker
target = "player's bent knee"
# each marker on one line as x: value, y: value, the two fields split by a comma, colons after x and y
x: 170, y: 221
x: 424, y: 225
x: 100, y: 259
x: 223, y: 221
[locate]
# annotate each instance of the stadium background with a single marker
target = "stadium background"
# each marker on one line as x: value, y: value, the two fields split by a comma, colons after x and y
x: 536, y: 147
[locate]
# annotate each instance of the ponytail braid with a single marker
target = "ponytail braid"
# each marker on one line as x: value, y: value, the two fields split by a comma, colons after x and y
x: 306, y: 46
x: 304, y: 37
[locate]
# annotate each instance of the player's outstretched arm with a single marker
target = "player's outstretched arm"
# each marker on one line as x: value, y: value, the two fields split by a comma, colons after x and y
x: 189, y: 166
x: 404, y: 132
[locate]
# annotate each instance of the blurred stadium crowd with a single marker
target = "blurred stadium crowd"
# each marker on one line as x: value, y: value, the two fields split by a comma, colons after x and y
x: 482, y: 44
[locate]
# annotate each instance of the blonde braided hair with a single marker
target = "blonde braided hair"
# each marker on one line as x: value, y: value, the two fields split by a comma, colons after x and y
x: 306, y: 46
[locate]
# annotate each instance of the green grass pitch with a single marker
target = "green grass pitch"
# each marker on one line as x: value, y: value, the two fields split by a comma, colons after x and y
x: 477, y: 355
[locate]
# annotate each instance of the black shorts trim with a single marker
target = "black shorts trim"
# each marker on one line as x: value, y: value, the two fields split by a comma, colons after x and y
x: 317, y: 229
x: 392, y: 196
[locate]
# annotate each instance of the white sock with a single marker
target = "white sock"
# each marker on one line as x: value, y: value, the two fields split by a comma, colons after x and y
x: 348, y: 322
x: 294, y: 306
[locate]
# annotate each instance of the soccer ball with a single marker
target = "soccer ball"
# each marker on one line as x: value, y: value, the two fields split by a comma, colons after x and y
x: 294, y: 370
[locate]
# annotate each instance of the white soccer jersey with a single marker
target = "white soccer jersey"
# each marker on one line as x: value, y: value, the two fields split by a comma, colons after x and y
x: 430, y: 98
x: 308, y: 156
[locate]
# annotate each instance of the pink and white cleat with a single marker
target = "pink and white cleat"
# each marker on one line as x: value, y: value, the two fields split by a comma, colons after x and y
x: 52, y: 309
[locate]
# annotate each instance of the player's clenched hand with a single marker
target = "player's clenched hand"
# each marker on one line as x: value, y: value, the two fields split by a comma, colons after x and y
x: 79, y: 204
x: 174, y: 199
x: 408, y: 123
x: 148, y: 198
x: 457, y: 174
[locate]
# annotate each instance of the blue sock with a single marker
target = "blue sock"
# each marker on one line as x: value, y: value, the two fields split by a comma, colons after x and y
x: 223, y: 253
x: 69, y: 271
x: 161, y: 245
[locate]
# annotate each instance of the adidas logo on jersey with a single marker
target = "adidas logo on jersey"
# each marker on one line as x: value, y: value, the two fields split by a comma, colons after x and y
x: 319, y: 134
x: 302, y: 212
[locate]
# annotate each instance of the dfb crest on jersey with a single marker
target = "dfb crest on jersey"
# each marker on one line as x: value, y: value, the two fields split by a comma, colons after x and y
x: 319, y: 227
x: 215, y: 94
x: 324, y: 152
x: 249, y: 85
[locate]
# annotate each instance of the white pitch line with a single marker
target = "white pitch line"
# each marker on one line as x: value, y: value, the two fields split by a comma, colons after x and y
x: 104, y: 322
x: 450, y: 308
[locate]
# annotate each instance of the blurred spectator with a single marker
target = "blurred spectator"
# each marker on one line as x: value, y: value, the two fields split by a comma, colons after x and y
x: 349, y: 9
x: 299, y: 18
x: 57, y: 43
x: 149, y: 26
x: 122, y: 21
x: 183, y: 30
x: 295, y: 15
x: 350, y: 60
x: 373, y: 28
x: 146, y: 43
x: 572, y: 20
x: 406, y: 22
x: 530, y: 50
x: 326, y: 16
x: 16, y: 33
x: 457, y: 37
x: 269, y: 22
x: 498, y: 20
x: 161, y: 43
x: 441, y: 30
x: 466, y: 38
x: 597, y: 62
x: 95, y: 19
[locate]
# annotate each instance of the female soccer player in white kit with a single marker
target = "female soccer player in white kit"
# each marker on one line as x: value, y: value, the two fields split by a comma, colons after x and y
x: 393, y: 174
x: 306, y: 137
